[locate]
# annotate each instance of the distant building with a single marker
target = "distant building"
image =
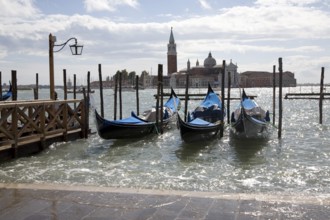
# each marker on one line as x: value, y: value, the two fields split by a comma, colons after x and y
x: 209, y: 72
x: 199, y: 76
x: 172, y: 65
x: 69, y: 83
x: 265, y: 79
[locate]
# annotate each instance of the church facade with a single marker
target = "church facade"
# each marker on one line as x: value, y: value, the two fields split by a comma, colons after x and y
x: 199, y: 75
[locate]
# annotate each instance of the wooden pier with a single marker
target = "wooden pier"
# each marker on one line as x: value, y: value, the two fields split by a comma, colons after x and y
x: 306, y: 96
x: 27, y: 127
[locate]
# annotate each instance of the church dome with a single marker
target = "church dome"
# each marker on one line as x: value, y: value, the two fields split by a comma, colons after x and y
x: 209, y: 62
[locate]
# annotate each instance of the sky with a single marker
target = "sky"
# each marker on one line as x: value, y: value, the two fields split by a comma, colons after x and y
x: 133, y: 35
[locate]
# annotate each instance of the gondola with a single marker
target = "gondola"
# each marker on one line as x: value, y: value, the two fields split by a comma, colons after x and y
x: 8, y: 94
x: 205, y: 121
x: 137, y: 126
x: 249, y: 119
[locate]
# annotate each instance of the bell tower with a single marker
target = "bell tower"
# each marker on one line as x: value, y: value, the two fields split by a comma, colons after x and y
x: 171, y: 55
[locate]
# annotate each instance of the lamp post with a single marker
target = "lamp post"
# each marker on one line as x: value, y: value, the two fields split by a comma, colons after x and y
x: 75, y: 50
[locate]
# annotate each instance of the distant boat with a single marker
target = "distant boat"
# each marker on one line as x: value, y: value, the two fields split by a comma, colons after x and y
x: 130, y: 88
x: 127, y: 89
x: 249, y: 119
x: 204, y: 122
x: 8, y: 94
x: 137, y: 126
x: 80, y: 90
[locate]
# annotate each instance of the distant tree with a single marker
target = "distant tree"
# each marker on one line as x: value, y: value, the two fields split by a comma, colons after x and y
x: 144, y: 74
x: 117, y: 74
x: 143, y: 77
x: 131, y: 77
x: 124, y: 75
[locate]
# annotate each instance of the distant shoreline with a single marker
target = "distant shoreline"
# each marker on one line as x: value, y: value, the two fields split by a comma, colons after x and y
x: 31, y: 87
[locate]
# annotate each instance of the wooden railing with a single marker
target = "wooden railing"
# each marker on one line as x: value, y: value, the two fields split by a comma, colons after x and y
x: 24, y: 122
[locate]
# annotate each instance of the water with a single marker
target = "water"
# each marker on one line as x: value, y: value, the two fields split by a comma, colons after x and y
x: 298, y: 163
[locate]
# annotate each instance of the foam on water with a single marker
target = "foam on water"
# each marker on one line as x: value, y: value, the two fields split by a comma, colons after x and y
x: 296, y: 163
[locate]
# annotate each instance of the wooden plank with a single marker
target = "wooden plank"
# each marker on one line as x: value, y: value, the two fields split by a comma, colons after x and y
x: 201, y: 96
x: 306, y: 96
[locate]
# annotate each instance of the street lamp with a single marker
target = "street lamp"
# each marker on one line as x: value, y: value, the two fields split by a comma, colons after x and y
x: 75, y: 50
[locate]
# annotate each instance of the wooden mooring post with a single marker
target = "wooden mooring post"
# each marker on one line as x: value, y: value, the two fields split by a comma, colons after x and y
x: 0, y: 85
x: 101, y: 89
x: 88, y: 85
x: 14, y: 84
x: 280, y: 68
x: 159, y: 103
x: 74, y: 87
x: 228, y: 98
x: 186, y: 93
x: 222, y: 96
x: 36, y: 89
x: 115, y: 98
x: 161, y: 83
x: 120, y: 97
x: 87, y: 102
x: 65, y: 85
x: 137, y: 95
x: 321, y: 96
x: 274, y: 93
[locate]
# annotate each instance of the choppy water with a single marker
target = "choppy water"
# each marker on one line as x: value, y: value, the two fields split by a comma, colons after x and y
x: 297, y: 163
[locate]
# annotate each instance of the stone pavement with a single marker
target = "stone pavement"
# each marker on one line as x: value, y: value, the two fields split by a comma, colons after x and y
x: 33, y: 201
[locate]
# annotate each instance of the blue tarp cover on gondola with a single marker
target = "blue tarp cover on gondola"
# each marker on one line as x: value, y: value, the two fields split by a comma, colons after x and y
x: 210, y: 109
x: 210, y: 100
x: 249, y: 104
x: 8, y: 94
x: 198, y: 121
x: 173, y: 104
x: 130, y: 120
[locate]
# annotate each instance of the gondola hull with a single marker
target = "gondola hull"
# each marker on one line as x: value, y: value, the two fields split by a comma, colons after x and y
x: 249, y: 120
x: 205, y: 121
x: 7, y: 95
x: 138, y: 126
x: 192, y: 132
x: 250, y: 127
x: 116, y: 130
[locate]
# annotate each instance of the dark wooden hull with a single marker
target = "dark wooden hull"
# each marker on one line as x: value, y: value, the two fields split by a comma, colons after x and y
x: 190, y: 132
x: 135, y: 126
x: 207, y: 120
x: 112, y: 130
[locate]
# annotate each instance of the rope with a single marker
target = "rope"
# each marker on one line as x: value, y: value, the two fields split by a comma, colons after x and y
x: 157, y: 132
x: 273, y: 125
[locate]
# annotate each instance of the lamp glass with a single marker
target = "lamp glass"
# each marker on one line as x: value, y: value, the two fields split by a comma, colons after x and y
x: 76, y: 49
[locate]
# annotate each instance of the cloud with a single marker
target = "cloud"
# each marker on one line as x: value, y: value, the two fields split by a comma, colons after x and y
x: 108, y: 5
x: 240, y: 32
x: 18, y: 8
x: 3, y: 52
x: 261, y: 22
x: 286, y: 2
x: 204, y: 4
